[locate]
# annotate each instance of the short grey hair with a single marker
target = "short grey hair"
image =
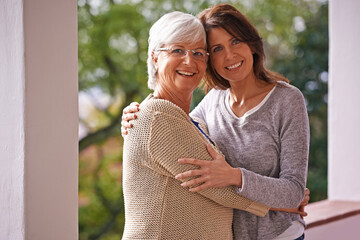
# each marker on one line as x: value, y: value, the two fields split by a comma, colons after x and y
x: 174, y: 27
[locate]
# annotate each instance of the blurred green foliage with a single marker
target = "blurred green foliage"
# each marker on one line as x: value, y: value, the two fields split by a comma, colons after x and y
x: 112, y: 62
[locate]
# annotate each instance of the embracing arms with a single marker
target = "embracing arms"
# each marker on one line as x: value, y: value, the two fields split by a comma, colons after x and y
x: 216, y: 167
x: 273, y: 159
x: 172, y: 138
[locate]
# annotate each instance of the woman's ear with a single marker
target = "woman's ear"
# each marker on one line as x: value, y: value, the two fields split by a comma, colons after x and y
x: 155, y: 60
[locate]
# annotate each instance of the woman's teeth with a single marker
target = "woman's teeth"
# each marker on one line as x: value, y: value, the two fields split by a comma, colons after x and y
x: 185, y: 73
x: 234, y: 66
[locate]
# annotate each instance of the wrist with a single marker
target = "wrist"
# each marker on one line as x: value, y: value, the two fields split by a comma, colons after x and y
x: 237, y: 177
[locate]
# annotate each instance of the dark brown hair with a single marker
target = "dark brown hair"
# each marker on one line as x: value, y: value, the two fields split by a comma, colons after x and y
x: 237, y: 25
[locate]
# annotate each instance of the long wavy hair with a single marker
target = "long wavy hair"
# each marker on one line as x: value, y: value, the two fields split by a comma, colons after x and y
x: 236, y: 24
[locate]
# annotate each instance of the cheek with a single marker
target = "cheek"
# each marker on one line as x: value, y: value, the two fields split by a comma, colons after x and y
x: 202, y: 68
x: 215, y: 62
x: 251, y: 59
x: 167, y: 67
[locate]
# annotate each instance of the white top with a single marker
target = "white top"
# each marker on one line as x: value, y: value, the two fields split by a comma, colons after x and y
x: 251, y: 111
x: 293, y: 232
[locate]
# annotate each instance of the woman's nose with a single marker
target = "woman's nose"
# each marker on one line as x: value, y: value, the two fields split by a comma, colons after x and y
x: 229, y: 53
x: 188, y: 57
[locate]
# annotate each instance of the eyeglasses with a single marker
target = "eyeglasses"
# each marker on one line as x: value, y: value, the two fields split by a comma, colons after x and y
x: 198, y: 54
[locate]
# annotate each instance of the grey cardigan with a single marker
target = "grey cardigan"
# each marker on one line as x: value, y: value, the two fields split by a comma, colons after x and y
x: 271, y: 147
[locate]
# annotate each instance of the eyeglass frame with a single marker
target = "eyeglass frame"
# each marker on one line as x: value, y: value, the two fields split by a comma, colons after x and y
x: 186, y: 51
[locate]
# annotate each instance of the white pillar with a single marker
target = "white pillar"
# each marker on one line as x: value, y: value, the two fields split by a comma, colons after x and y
x: 38, y: 120
x: 11, y: 120
x: 344, y: 100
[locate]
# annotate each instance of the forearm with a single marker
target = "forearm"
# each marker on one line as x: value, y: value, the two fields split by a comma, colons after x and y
x: 228, y: 197
x: 283, y: 192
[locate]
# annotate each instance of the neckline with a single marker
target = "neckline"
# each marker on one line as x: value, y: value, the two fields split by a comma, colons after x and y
x: 167, y: 102
x: 249, y: 112
x: 187, y: 117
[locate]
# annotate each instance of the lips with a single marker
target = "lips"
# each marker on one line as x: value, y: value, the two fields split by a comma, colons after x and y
x: 236, y: 65
x: 185, y: 73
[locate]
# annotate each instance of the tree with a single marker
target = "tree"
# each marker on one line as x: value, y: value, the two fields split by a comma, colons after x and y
x: 307, y: 69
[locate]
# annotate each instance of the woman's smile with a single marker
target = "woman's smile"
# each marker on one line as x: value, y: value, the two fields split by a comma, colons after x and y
x: 234, y: 66
x: 185, y: 73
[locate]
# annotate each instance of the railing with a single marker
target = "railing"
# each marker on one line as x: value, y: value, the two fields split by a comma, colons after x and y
x: 330, y: 219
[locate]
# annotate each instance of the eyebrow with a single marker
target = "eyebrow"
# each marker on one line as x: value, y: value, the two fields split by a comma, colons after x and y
x: 204, y: 48
x: 231, y: 39
x: 178, y: 46
x: 210, y: 47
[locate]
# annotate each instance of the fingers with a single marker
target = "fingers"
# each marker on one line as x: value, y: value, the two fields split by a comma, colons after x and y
x: 212, y: 151
x: 128, y: 116
x: 305, y: 201
x: 124, y: 131
x: 126, y: 124
x: 132, y: 108
x: 193, y: 161
x: 190, y: 173
x: 299, y: 210
x: 193, y: 182
x: 129, y: 111
x: 134, y: 104
x: 200, y: 187
x: 302, y: 212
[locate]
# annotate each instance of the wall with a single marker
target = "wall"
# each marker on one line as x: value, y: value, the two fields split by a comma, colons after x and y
x: 344, y: 100
x: 343, y: 128
x: 11, y: 120
x: 38, y: 120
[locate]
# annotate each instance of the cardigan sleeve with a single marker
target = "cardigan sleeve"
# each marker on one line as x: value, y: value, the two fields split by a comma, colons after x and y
x: 172, y: 138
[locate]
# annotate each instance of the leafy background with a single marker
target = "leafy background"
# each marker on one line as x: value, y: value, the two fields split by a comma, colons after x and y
x: 112, y: 73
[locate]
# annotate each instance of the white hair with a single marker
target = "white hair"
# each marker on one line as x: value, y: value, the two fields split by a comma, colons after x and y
x: 174, y: 27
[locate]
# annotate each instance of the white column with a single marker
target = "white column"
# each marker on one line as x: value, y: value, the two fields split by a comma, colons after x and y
x: 11, y: 120
x: 38, y: 120
x: 344, y: 100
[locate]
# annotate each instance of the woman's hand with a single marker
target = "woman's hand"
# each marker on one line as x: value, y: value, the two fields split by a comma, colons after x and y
x: 304, y: 203
x: 300, y: 209
x: 128, y: 114
x: 216, y: 173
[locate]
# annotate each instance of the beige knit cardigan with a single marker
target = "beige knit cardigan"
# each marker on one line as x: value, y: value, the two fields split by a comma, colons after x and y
x: 156, y: 206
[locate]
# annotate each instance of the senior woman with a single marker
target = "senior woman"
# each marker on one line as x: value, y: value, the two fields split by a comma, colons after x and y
x: 156, y: 206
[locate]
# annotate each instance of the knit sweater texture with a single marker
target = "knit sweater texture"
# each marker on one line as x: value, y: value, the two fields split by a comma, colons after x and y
x: 270, y: 146
x: 156, y: 206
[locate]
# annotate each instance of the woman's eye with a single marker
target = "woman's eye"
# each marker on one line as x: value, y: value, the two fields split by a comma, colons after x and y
x: 198, y: 54
x: 236, y: 41
x: 216, y: 49
x: 177, y: 51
